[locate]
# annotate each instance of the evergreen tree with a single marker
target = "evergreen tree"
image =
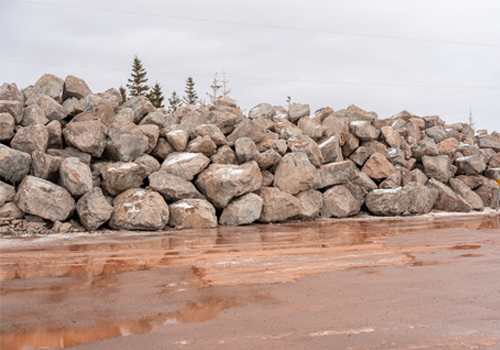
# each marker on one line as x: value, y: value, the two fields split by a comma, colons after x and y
x: 137, y: 85
x: 174, y: 102
x: 156, y: 96
x: 225, y: 90
x: 191, y: 98
x: 215, y: 90
x: 123, y: 92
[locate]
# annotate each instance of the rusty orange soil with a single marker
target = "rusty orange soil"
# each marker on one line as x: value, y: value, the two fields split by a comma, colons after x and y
x: 419, y: 283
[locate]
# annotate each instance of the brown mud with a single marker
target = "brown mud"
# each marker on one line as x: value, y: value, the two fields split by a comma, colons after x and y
x: 413, y: 283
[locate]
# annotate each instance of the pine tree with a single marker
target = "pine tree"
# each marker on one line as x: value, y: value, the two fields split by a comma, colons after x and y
x: 225, y: 90
x: 156, y: 96
x: 137, y: 85
x: 123, y: 92
x: 174, y: 102
x: 472, y: 122
x: 215, y: 90
x: 191, y: 98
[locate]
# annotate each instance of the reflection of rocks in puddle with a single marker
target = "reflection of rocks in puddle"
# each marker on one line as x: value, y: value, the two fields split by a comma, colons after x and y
x: 197, y: 311
x: 193, y: 238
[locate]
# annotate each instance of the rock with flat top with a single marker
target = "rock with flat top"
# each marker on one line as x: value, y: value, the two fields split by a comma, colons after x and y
x: 185, y: 165
x: 139, y: 209
x: 388, y: 202
x: 192, y: 213
x: 120, y: 176
x: 333, y: 174
x: 297, y: 111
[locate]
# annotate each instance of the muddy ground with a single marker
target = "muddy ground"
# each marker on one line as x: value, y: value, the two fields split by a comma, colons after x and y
x: 413, y: 283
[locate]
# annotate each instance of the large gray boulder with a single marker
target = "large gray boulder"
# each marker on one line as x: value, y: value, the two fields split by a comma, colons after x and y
x: 51, y: 109
x: 488, y: 192
x: 243, y: 210
x: 75, y: 87
x: 378, y: 167
x: 89, y: 137
x: 447, y: 199
x: 339, y: 202
x: 437, y: 167
x: 139, y: 209
x: 471, y: 165
x: 185, y: 165
x: 388, y: 202
x: 421, y: 198
x: 14, y: 164
x: 173, y: 188
x: 192, y: 213
x: 30, y: 139
x: 93, y: 209
x: 311, y: 202
x: 14, y: 108
x: 125, y: 142
x: 120, y: 176
x: 75, y: 176
x: 221, y: 183
x: 295, y: 173
x: 278, y: 205
x: 466, y: 193
x: 260, y: 111
x: 333, y: 174
x: 49, y: 85
x: 43, y: 198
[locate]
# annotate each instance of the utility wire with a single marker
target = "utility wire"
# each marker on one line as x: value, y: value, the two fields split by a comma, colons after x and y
x: 259, y: 25
x: 270, y: 79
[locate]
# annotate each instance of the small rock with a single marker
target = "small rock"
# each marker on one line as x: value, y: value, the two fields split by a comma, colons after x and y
x: 178, y: 139
x: 7, y: 193
x: 246, y: 150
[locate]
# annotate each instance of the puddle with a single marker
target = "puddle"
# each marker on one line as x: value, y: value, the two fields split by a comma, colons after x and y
x: 465, y: 247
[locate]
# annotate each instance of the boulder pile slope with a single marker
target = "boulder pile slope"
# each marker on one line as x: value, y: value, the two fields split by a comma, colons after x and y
x: 73, y: 160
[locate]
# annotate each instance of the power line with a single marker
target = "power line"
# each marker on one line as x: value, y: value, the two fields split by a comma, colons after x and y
x: 270, y: 79
x: 260, y: 25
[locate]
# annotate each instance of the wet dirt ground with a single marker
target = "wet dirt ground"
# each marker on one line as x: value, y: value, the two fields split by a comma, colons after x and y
x: 412, y: 283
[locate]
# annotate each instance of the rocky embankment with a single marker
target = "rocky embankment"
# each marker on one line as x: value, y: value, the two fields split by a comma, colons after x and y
x: 72, y: 160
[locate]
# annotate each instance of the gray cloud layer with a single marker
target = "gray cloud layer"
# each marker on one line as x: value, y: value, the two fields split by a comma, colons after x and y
x: 280, y: 62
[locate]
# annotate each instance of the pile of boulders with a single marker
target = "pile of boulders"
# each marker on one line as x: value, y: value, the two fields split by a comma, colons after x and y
x: 73, y: 160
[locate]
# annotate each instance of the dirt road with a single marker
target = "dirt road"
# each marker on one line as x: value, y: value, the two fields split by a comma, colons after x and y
x: 417, y: 283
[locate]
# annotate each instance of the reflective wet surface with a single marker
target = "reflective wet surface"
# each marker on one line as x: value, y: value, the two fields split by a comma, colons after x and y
x: 62, y: 291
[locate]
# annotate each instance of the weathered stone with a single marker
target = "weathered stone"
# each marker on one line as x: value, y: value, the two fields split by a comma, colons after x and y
x: 330, y: 149
x: 10, y: 211
x: 54, y: 130
x: 243, y: 210
x: 75, y: 176
x: 260, y: 111
x: 33, y: 114
x: 152, y: 132
x: 226, y: 119
x: 363, y: 130
x: 337, y: 126
x: 447, y: 199
x: 51, y: 86
x: 195, y: 117
x: 89, y: 137
x: 246, y: 150
x: 488, y: 192
x: 14, y: 108
x: 43, y: 198
x: 268, y: 159
x: 75, y: 87
x: 373, y: 147
x: 120, y: 176
x: 220, y: 183
x: 295, y: 173
x: 437, y: 167
x: 333, y: 174
x: 339, y: 202
x: 185, y: 165
x: 360, y: 156
x: 448, y: 147
x: 267, y: 178
x: 212, y: 131
x: 304, y: 144
x: 351, y: 144
x: 419, y: 122
x: 468, y: 150
x: 471, y: 165
x: 421, y: 198
x: 70, y: 152
x: 140, y: 105
x: 426, y: 147
x: 266, y: 124
x: 45, y: 166
x: 224, y: 155
x: 93, y: 209
x: 321, y: 114
x: 378, y: 167
x: 436, y: 133
x: 203, y: 145
x: 471, y: 181
x: 297, y: 111
x: 173, y: 188
x: 311, y: 202
x: 432, y: 121
x: 7, y: 193
x: 487, y: 153
x: 154, y: 118
x: 70, y: 106
x: 51, y: 109
x: 30, y: 139
x: 192, y: 213
x: 391, y: 137
x: 138, y: 209
x: 466, y: 193
x: 360, y: 114
x: 311, y: 128
x: 418, y: 176
x: 493, y: 174
x: 397, y: 157
x: 278, y: 205
x: 362, y: 180
x: 412, y: 133
x: 104, y: 114
x: 406, y: 175
x: 163, y: 148
x: 392, y: 181
x: 388, y: 202
x: 148, y: 161
x: 125, y: 115
x: 246, y: 128
x: 178, y: 139
x: 489, y: 141
x: 10, y: 92
x: 125, y: 142
x: 7, y: 124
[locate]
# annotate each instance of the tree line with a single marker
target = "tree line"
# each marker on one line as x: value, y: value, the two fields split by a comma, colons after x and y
x: 137, y: 87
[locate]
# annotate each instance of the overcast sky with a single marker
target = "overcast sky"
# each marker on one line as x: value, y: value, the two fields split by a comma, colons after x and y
x: 273, y: 49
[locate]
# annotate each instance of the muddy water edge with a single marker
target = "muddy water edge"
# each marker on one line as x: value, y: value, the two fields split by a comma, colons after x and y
x: 63, y: 291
